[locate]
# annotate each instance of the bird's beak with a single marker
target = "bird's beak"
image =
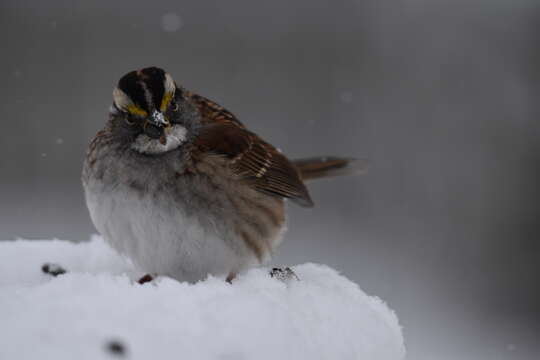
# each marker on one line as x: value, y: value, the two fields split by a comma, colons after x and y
x: 155, y: 125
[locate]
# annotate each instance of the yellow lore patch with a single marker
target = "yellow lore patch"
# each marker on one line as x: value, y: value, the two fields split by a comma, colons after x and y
x: 165, y: 101
x: 136, y: 110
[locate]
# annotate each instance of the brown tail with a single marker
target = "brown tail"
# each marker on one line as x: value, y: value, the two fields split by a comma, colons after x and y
x: 329, y: 166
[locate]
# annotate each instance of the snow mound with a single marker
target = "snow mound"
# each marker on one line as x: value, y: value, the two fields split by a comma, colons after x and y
x: 97, y: 311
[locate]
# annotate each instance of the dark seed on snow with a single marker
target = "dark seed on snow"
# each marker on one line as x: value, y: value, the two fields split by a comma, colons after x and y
x: 53, y: 269
x: 116, y: 348
x: 283, y: 274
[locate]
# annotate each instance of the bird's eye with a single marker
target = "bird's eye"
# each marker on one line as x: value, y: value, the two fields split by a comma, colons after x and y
x: 129, y: 120
x: 175, y: 106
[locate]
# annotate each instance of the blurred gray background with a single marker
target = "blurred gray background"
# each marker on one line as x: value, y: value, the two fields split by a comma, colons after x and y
x: 441, y: 96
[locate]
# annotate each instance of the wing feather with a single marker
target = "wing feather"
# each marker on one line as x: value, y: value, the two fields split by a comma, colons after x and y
x: 254, y: 161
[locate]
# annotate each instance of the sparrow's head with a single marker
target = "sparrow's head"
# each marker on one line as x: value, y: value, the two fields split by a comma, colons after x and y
x: 147, y: 104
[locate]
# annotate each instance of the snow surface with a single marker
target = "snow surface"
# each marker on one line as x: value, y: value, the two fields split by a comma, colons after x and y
x: 97, y: 311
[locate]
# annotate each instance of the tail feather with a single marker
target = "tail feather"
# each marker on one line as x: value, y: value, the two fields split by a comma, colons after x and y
x: 329, y: 166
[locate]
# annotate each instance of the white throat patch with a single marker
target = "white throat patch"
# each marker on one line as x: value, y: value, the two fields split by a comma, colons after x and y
x: 175, y: 136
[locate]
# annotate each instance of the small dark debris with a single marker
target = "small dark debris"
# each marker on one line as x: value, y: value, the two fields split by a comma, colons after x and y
x: 116, y: 348
x: 283, y: 274
x: 53, y: 269
x: 145, y: 279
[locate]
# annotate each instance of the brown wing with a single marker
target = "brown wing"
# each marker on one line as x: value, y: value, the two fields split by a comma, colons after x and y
x: 212, y: 112
x: 254, y: 161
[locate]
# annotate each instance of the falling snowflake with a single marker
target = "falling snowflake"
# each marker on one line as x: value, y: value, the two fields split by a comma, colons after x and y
x: 346, y: 97
x: 171, y: 22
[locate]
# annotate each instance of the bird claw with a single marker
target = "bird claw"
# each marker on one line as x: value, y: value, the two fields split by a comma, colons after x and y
x: 145, y: 279
x: 230, y: 277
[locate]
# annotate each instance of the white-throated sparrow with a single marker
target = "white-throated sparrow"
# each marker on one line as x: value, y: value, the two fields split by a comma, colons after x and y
x: 179, y: 185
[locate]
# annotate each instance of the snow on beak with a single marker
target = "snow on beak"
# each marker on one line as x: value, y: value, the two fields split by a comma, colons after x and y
x: 155, y: 125
x: 158, y: 119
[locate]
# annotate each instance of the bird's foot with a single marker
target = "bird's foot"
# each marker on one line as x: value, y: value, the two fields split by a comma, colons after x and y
x: 283, y: 274
x: 146, y: 278
x: 230, y: 277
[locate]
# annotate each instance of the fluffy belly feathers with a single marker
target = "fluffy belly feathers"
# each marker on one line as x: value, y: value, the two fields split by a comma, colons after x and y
x: 165, y: 240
